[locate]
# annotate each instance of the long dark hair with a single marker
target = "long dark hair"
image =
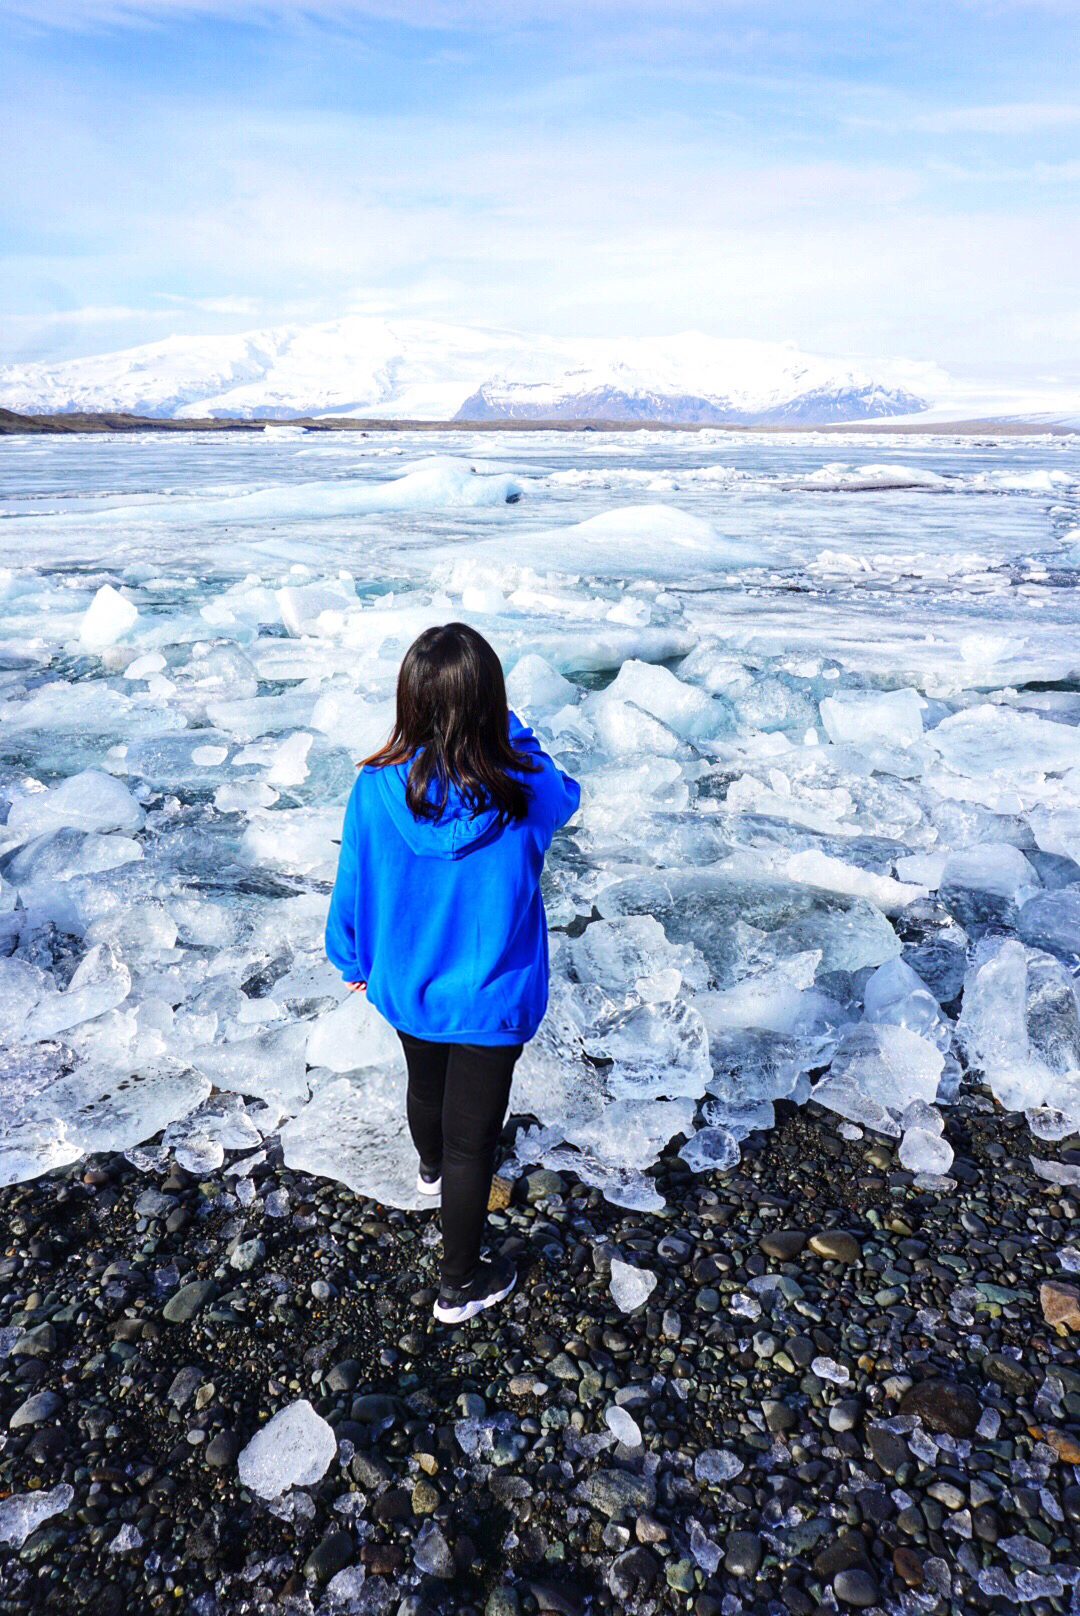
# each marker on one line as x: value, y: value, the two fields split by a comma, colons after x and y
x: 452, y: 724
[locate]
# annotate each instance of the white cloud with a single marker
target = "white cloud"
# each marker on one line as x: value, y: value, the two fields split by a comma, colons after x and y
x: 1009, y: 118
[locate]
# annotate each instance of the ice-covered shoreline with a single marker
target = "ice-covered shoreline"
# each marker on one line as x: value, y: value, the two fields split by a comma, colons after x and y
x: 829, y: 748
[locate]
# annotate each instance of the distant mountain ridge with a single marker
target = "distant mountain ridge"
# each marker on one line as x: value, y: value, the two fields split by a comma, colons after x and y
x: 425, y: 370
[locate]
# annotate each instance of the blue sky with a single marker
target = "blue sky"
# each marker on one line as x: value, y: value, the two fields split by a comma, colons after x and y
x: 867, y: 180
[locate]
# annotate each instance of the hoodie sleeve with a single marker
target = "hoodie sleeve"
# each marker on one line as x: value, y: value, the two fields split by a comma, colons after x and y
x: 561, y: 794
x: 341, y: 920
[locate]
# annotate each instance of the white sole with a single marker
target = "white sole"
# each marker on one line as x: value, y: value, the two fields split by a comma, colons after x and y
x: 424, y: 1188
x: 469, y: 1310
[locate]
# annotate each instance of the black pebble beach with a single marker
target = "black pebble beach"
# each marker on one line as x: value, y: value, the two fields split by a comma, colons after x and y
x: 852, y: 1392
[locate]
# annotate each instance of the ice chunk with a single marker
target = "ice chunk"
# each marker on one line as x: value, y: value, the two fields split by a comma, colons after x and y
x: 1051, y: 920
x: 922, y: 1151
x: 829, y: 874
x: 90, y: 801
x: 23, y: 1513
x: 894, y: 717
x: 354, y: 1131
x: 714, y: 1466
x: 707, y: 1554
x: 999, y: 742
x: 299, y: 840
x: 710, y: 1149
x: 876, y: 1072
x: 351, y: 1036
x: 534, y: 686
x: 691, y: 712
x: 293, y: 1449
x: 987, y: 885
x: 630, y: 1287
x: 200, y: 1138
x: 101, y: 982
x: 622, y: 1425
x: 269, y: 1065
x: 107, y: 619
x: 1020, y: 1026
x: 285, y: 761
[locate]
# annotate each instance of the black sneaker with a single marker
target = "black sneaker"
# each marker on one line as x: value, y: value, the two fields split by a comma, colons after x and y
x: 429, y: 1180
x: 495, y: 1279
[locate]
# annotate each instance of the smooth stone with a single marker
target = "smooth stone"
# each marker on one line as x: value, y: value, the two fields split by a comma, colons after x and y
x: 743, y: 1554
x: 36, y: 1410
x: 908, y: 1566
x: 1008, y: 1373
x: 189, y: 1301
x: 856, y: 1587
x: 784, y: 1244
x: 330, y: 1556
x: 836, y: 1245
x: 247, y: 1255
x: 943, y: 1405
x: 222, y: 1449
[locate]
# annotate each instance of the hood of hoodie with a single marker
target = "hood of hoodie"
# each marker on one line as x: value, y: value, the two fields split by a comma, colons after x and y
x: 456, y: 832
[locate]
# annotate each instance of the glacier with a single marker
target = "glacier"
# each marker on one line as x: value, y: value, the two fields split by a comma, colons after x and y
x: 381, y: 369
x: 825, y: 712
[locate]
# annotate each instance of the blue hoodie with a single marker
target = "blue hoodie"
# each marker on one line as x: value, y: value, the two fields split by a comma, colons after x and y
x: 443, y: 919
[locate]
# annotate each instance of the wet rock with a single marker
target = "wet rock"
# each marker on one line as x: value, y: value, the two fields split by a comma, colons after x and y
x: 36, y: 1410
x: 1060, y: 1304
x: 615, y: 1493
x: 856, y: 1588
x: 743, y: 1554
x: 835, y: 1245
x: 330, y: 1556
x: 189, y: 1301
x: 943, y: 1405
x: 1017, y: 1380
x: 784, y: 1244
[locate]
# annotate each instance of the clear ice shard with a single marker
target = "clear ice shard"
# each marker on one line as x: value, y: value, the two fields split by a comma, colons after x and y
x: 1020, y: 1027
x: 293, y: 1449
x: 630, y: 1287
x: 23, y: 1513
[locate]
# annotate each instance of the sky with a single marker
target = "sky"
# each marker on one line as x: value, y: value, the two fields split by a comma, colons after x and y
x: 874, y: 181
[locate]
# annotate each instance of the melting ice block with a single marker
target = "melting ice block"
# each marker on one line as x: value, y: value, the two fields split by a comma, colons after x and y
x: 630, y: 1287
x: 999, y: 742
x: 90, y: 801
x: 1020, y: 1025
x: 533, y: 685
x: 23, y: 1513
x: 354, y: 1130
x: 876, y: 1072
x: 294, y: 1449
x: 107, y: 619
x: 688, y: 710
x: 351, y: 1036
x: 892, y: 717
x: 987, y: 885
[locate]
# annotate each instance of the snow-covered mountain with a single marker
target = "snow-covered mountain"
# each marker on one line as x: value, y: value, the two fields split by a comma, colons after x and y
x: 422, y: 370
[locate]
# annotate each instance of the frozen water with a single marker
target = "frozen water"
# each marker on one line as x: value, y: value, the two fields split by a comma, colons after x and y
x: 1020, y: 1026
x: 23, y: 1513
x: 630, y: 1287
x: 717, y: 1465
x: 623, y: 1426
x: 294, y: 1449
x: 824, y: 714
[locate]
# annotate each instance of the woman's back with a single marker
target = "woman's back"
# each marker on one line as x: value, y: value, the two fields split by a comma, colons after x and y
x: 442, y: 917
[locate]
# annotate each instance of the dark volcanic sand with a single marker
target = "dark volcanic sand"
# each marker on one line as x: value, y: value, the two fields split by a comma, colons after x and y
x: 856, y: 1491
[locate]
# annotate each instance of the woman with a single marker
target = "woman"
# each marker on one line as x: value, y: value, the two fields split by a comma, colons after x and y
x: 437, y: 911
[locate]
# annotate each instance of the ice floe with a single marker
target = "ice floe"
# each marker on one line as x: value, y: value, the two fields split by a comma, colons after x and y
x: 829, y: 840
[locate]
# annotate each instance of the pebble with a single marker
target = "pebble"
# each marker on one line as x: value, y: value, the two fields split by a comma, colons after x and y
x: 836, y: 1246
x: 856, y: 1587
x: 189, y: 1301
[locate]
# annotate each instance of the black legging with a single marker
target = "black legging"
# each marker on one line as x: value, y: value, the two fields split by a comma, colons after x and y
x: 457, y: 1099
